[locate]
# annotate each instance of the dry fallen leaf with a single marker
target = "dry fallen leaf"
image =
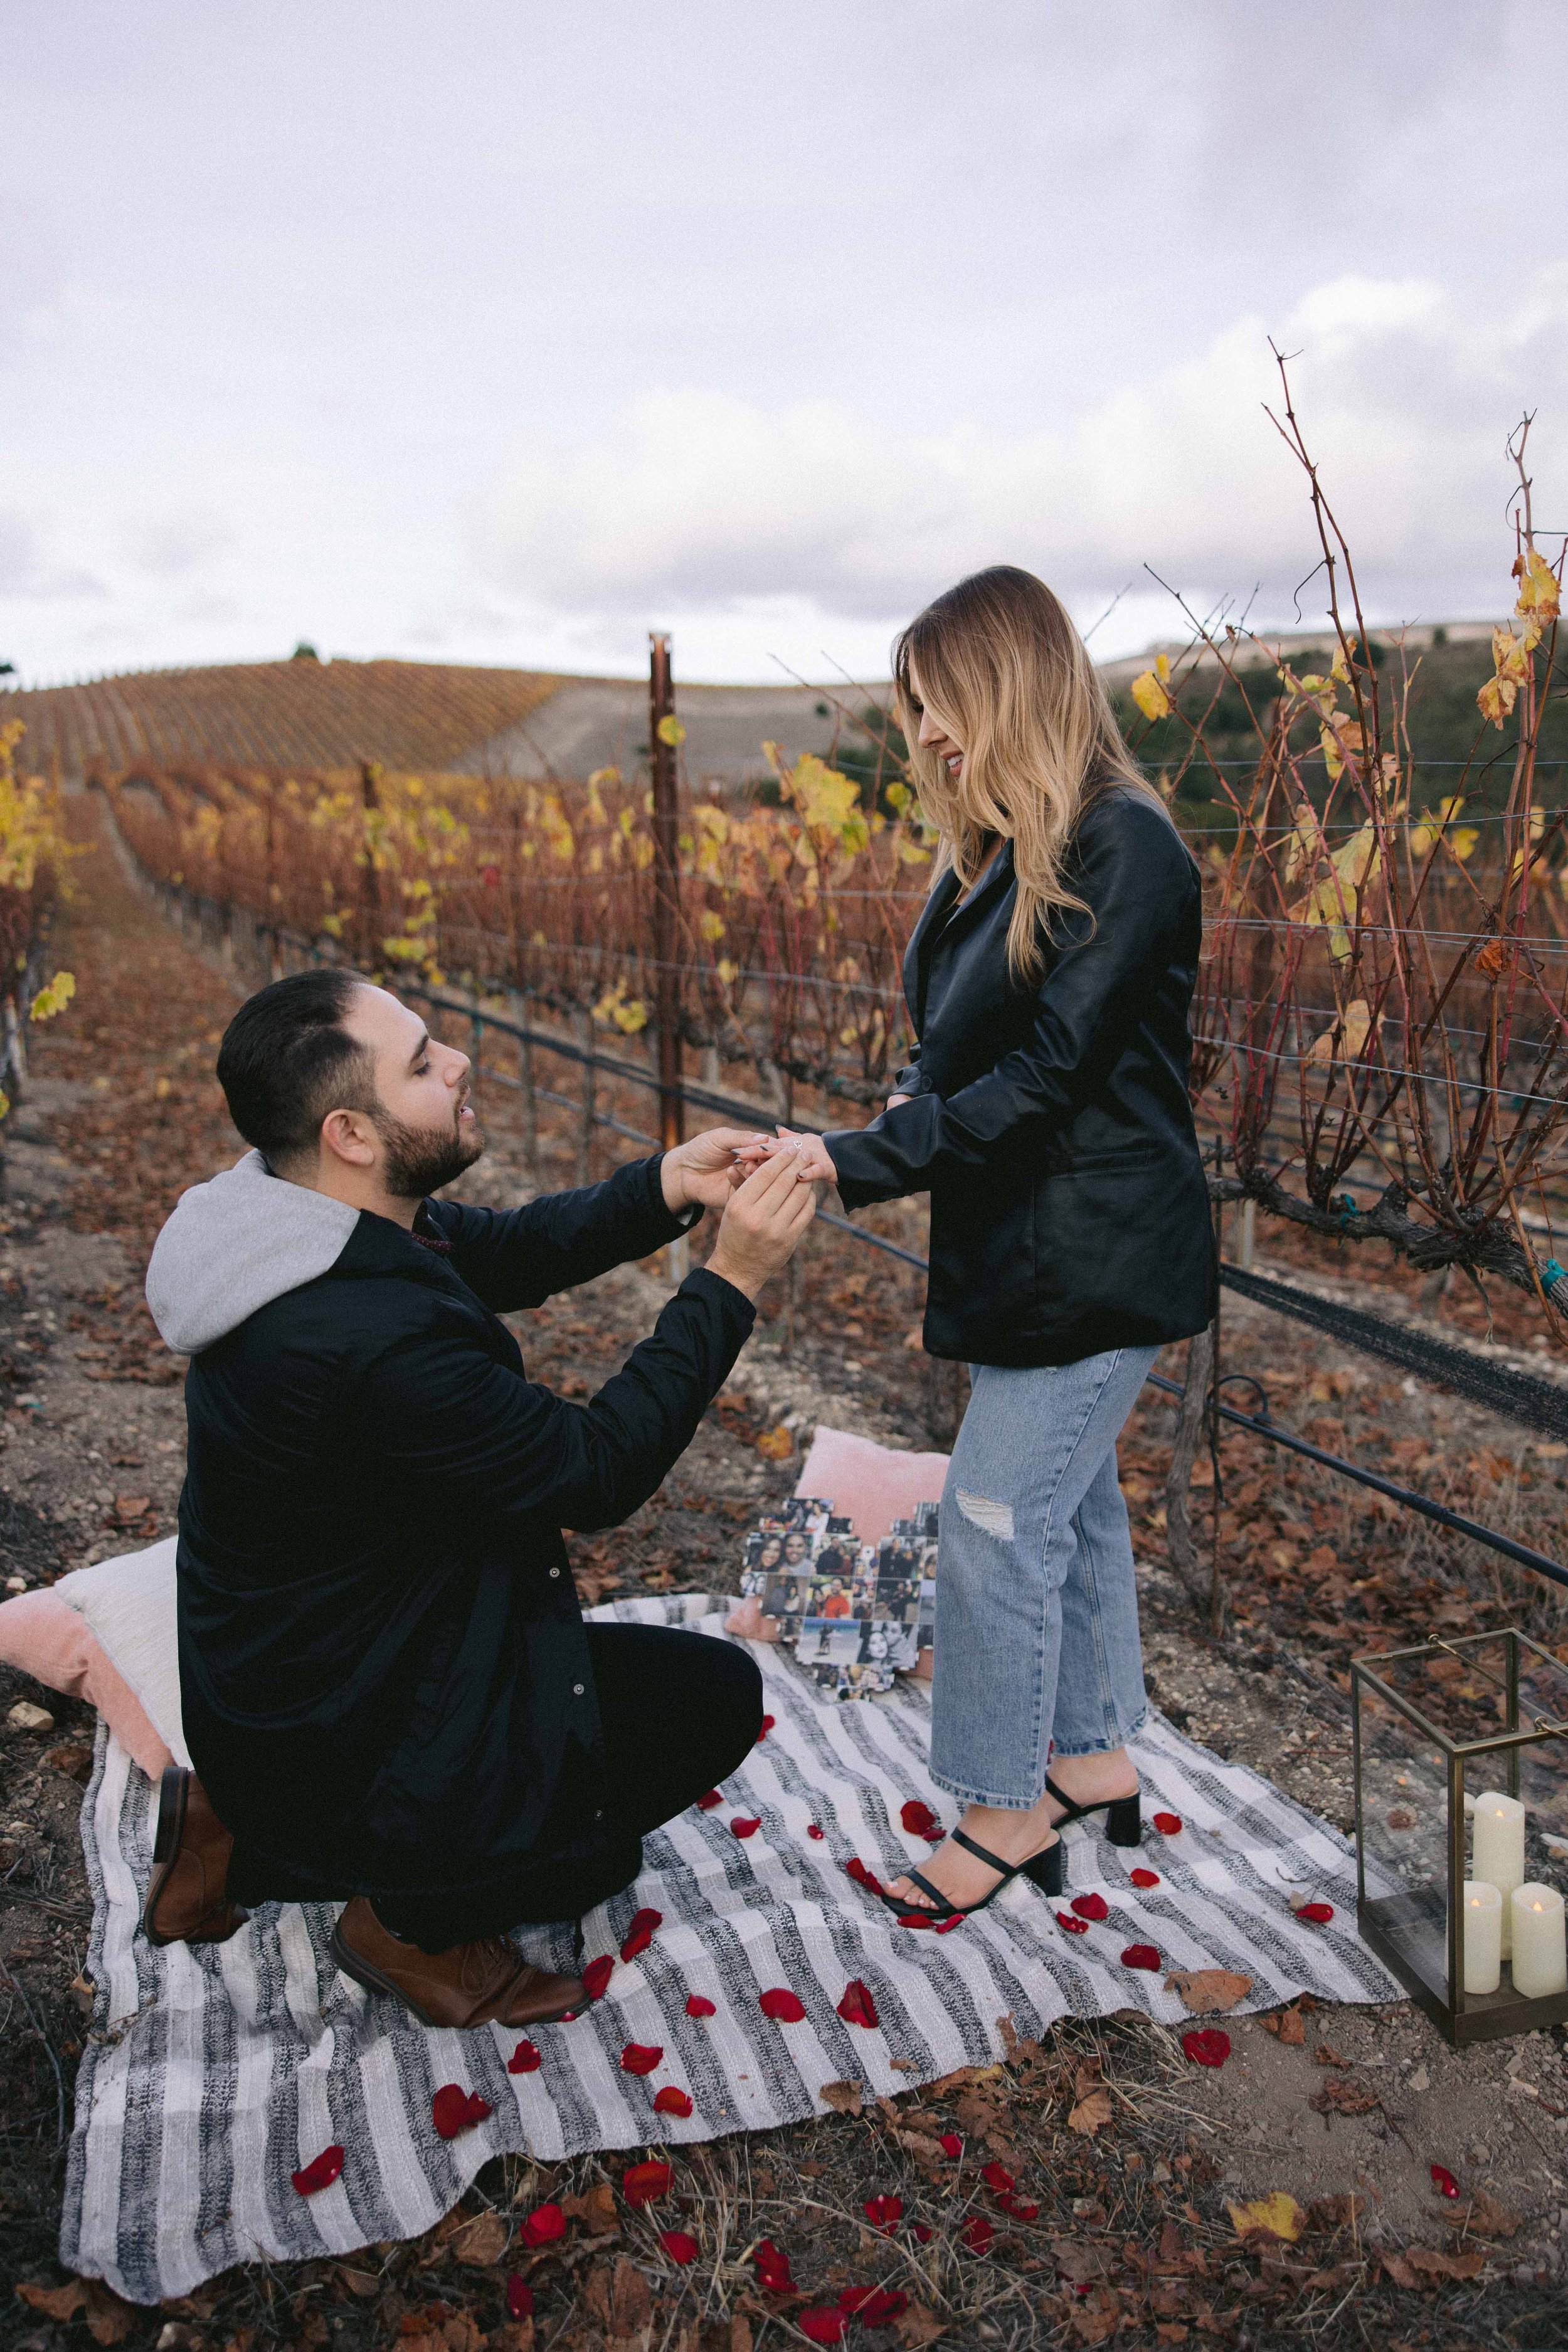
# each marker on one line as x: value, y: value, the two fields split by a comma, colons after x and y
x: 53, y: 2302
x: 618, y: 2299
x: 1210, y: 1992
x: 1343, y: 2095
x: 916, y: 2325
x: 843, y: 2098
x: 1289, y: 2026
x: 775, y: 1444
x: 1279, y: 2215
x: 1433, y: 2265
x: 1487, y: 2219
x: 481, y: 2242
x: 1324, y: 2056
x: 1092, y: 2114
x: 1080, y: 2262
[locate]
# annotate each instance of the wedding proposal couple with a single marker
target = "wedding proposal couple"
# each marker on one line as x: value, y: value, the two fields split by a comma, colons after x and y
x: 390, y: 1696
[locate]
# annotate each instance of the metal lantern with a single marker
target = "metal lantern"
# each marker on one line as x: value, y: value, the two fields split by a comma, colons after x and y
x: 1461, y: 1818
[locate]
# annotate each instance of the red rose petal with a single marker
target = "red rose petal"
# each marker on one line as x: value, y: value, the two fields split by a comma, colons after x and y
x: 519, y: 2297
x: 1140, y: 1956
x: 950, y: 2144
x: 884, y: 2213
x: 640, y: 1933
x: 787, y: 2008
x: 698, y: 2005
x: 773, y: 2267
x: 857, y: 1870
x: 742, y: 1827
x: 597, y: 1975
x: 1207, y: 2045
x: 641, y: 2057
x: 977, y: 2234
x: 997, y: 2177
x: 454, y: 2110
x: 1074, y: 1927
x: 707, y: 1803
x: 671, y: 2102
x: 1168, y: 1824
x: 1443, y: 2180
x: 920, y: 1821
x: 922, y: 2230
x: 1317, y: 1915
x: 1021, y: 2210
x: 813, y: 1832
x: 822, y: 2325
x: 1144, y: 1878
x: 948, y: 1926
x: 1090, y: 1906
x: 524, y: 2060
x: 544, y: 2224
x: 678, y: 2246
x: 319, y: 2173
x: 768, y: 1722
x: 642, y: 2183
x: 874, y: 2306
x: 857, y: 2006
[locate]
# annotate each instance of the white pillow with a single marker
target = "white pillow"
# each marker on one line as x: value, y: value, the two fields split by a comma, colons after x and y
x: 130, y: 1607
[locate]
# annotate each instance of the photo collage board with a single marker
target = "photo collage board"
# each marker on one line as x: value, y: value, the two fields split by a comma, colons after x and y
x: 855, y: 1613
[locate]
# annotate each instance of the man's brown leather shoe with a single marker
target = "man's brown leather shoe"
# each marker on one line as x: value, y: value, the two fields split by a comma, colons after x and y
x: 482, y: 1983
x: 186, y: 1898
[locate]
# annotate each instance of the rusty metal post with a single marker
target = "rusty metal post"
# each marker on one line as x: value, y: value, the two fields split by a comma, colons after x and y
x: 662, y: 742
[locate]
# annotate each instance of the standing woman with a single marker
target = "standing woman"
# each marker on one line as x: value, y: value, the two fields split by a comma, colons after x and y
x: 1049, y: 981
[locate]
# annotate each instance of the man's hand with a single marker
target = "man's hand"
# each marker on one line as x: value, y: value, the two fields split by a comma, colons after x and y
x: 762, y: 1223
x: 705, y: 1168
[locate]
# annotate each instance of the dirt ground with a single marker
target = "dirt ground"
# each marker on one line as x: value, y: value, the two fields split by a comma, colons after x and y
x: 1344, y: 2110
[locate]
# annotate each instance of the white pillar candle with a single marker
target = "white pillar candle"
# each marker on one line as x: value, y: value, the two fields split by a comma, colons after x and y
x: 1540, y: 1943
x: 1497, y: 1849
x: 1483, y: 1936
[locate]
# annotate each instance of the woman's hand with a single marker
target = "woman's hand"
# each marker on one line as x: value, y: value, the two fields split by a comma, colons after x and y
x: 894, y: 1100
x: 815, y: 1162
x: 709, y: 1167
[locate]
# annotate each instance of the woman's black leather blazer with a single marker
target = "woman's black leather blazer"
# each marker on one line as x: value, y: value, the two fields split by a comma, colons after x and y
x: 1051, y: 1125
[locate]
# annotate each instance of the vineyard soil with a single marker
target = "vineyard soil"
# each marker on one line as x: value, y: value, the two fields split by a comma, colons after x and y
x: 124, y: 1112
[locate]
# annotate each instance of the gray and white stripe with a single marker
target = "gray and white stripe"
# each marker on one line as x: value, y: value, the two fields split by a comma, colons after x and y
x: 221, y: 2071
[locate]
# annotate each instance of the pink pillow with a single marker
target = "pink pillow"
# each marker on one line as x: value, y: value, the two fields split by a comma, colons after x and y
x: 872, y: 1485
x: 55, y: 1645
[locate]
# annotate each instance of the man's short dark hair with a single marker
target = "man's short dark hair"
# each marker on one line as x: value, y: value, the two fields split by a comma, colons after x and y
x: 286, y: 1060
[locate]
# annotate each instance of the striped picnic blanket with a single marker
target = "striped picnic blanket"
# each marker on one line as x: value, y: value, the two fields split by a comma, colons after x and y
x: 213, y: 2074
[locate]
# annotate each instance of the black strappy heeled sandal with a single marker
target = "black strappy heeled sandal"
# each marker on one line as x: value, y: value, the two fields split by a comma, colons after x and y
x: 948, y: 1909
x: 1123, y: 1815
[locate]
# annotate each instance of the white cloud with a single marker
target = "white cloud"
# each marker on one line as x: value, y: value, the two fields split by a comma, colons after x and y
x: 698, y: 501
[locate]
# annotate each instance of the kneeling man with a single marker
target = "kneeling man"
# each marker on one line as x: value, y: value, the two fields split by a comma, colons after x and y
x: 389, y: 1693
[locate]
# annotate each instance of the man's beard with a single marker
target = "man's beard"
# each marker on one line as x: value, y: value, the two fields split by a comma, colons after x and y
x: 421, y: 1159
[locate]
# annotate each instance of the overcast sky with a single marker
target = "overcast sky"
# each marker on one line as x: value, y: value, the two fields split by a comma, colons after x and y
x: 501, y: 332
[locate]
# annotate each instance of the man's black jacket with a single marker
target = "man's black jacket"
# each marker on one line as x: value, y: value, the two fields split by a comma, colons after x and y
x: 384, y: 1677
x: 1051, y: 1124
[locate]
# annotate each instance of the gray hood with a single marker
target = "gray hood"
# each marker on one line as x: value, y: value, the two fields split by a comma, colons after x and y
x: 235, y: 1244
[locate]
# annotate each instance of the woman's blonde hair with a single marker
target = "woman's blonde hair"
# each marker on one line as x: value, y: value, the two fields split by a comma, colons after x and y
x: 1002, y: 670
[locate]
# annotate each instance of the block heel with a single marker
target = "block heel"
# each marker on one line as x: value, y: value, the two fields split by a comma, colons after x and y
x: 1049, y: 1871
x: 1124, y: 1821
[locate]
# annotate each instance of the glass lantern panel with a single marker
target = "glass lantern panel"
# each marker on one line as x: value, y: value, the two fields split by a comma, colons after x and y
x: 1404, y: 1838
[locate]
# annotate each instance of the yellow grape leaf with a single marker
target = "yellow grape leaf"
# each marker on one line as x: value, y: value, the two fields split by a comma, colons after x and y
x: 670, y: 731
x: 1149, y: 695
x: 604, y: 776
x: 55, y: 997
x: 710, y: 925
x: 1162, y: 668
x: 1279, y: 2215
x: 728, y: 972
x: 1538, y: 590
x: 1347, y: 1037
